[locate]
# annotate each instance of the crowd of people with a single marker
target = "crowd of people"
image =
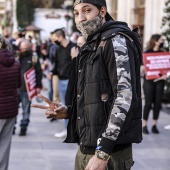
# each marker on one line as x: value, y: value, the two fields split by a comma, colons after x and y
x: 54, y: 60
x: 94, y: 85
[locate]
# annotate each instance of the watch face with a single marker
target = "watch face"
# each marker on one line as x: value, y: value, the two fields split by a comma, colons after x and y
x: 101, y: 155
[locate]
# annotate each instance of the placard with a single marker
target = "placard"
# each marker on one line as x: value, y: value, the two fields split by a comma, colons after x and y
x: 156, y: 64
x: 30, y: 81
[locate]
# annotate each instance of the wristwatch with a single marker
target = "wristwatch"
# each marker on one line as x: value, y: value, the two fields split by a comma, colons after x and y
x: 102, y: 155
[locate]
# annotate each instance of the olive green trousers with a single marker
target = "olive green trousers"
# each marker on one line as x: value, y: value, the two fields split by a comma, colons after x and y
x: 121, y: 160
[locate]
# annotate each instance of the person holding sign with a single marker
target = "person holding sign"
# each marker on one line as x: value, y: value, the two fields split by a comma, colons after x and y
x: 28, y: 61
x: 153, y: 88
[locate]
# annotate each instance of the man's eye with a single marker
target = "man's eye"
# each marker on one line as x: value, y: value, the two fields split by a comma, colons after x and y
x: 75, y: 14
x: 87, y: 10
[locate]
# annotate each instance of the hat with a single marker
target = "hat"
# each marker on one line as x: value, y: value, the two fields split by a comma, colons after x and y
x: 99, y: 3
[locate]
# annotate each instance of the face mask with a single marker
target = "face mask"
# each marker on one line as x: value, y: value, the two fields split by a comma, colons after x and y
x: 161, y: 45
x: 57, y: 43
x: 25, y: 53
x: 89, y: 27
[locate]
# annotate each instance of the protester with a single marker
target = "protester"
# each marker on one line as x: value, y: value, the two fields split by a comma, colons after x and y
x: 106, y: 107
x: 27, y: 61
x: 21, y: 36
x: 153, y: 89
x: 53, y: 80
x: 72, y: 78
x: 62, y: 68
x: 74, y: 37
x: 80, y: 41
x: 52, y: 48
x: 10, y: 80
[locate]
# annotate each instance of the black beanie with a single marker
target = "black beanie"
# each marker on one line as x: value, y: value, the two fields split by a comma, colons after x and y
x: 99, y: 3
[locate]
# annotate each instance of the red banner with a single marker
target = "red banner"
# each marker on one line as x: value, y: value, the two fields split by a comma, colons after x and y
x: 30, y: 81
x: 156, y: 64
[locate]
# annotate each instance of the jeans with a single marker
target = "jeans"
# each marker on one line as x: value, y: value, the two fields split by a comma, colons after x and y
x: 26, y: 103
x: 62, y: 87
x: 50, y: 90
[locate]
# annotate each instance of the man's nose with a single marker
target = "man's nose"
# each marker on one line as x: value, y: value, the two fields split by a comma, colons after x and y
x: 81, y: 17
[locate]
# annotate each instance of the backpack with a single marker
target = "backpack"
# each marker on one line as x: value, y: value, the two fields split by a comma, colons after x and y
x: 133, y: 36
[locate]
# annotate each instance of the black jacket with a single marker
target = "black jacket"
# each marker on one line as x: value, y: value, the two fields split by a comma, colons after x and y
x: 63, y: 61
x: 26, y: 62
x: 107, y: 103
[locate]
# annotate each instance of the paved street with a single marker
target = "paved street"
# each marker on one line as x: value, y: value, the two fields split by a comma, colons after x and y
x: 39, y: 150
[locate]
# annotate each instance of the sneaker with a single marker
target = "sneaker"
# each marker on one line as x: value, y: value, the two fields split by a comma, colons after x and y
x: 53, y: 119
x: 145, y: 130
x: 61, y: 134
x: 167, y: 127
x: 155, y: 130
x: 22, y: 132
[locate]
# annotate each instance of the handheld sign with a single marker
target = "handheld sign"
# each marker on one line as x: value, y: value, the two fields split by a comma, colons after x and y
x: 30, y: 81
x: 156, y: 64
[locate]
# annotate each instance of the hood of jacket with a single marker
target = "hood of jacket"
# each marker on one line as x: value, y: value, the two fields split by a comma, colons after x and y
x: 7, y: 58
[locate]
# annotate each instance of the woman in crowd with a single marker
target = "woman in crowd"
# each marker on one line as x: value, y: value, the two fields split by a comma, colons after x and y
x: 9, y: 82
x: 153, y: 89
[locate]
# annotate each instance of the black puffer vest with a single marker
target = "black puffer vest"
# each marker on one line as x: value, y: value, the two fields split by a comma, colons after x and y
x: 95, y: 96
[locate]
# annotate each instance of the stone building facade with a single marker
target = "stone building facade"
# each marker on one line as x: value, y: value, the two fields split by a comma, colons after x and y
x: 147, y: 14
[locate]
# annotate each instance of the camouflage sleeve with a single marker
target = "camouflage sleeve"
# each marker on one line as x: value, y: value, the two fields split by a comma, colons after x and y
x: 123, y: 99
x: 117, y: 61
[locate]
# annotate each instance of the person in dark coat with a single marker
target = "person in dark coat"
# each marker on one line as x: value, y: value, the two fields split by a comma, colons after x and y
x: 27, y: 61
x: 72, y: 78
x: 105, y: 116
x: 10, y: 80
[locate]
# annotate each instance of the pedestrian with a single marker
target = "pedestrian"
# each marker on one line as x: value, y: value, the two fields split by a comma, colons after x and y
x: 52, y: 48
x: 62, y: 68
x: 27, y: 61
x: 153, y: 89
x: 10, y: 80
x: 105, y: 116
x: 72, y: 78
x: 74, y: 37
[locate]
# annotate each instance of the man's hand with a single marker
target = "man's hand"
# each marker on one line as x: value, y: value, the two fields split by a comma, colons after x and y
x: 96, y: 164
x: 49, y: 75
x: 53, y: 110
x: 38, y: 90
x: 74, y: 52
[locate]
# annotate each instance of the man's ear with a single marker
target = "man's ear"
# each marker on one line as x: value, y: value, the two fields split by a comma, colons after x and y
x: 0, y: 45
x: 103, y: 11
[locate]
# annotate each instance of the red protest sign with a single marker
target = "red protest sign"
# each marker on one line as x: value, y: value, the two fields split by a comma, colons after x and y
x: 156, y: 64
x: 30, y: 81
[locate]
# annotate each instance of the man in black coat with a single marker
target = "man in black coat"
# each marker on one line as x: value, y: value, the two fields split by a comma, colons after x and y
x: 27, y: 61
x: 105, y: 117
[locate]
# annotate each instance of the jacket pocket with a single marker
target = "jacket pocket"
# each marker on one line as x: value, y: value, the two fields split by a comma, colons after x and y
x: 92, y: 59
x: 129, y: 163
